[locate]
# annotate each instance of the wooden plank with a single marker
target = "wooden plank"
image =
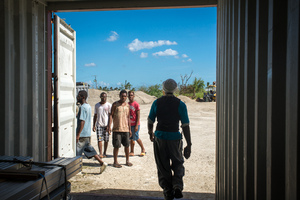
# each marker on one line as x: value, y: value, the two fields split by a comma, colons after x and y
x: 23, y: 174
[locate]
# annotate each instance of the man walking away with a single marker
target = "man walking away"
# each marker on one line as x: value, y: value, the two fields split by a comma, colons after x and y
x: 101, y: 118
x: 167, y: 140
x: 121, y: 128
x: 83, y: 131
x: 135, y: 124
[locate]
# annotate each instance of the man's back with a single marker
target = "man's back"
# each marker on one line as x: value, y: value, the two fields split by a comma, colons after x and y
x: 167, y: 114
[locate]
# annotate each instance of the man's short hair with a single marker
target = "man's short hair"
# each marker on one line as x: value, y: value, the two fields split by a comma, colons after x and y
x: 102, y: 93
x: 83, y: 93
x: 130, y: 92
x: 123, y: 91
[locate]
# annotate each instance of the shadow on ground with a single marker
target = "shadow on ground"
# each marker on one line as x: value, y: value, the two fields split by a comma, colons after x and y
x: 114, y: 194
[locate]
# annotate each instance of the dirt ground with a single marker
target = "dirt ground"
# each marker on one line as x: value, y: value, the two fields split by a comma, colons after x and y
x: 140, y: 180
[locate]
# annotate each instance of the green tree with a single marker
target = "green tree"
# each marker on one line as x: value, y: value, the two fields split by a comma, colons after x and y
x: 183, y: 86
x: 198, y: 85
x: 153, y: 90
x: 126, y: 86
x: 143, y: 89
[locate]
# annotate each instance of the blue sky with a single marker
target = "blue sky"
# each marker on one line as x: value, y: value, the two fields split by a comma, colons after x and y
x: 144, y: 47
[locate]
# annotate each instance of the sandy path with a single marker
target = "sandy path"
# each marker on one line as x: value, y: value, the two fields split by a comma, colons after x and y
x: 141, y: 178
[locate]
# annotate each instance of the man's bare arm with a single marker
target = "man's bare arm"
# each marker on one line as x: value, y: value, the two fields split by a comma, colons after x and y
x: 137, y: 121
x: 129, y: 125
x: 187, y: 136
x: 94, y: 123
x: 150, y: 130
x: 82, y: 122
x: 113, y: 108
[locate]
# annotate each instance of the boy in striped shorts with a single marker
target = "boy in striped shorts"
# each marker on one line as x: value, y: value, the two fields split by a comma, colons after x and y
x: 101, y: 118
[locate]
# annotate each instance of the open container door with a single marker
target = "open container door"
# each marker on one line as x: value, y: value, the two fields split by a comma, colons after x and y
x: 64, y: 89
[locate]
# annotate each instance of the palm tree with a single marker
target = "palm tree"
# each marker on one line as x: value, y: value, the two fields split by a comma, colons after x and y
x: 197, y: 85
x: 126, y: 86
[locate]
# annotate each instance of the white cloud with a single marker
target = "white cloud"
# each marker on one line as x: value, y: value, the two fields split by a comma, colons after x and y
x: 137, y: 45
x: 176, y: 57
x: 90, y: 65
x: 113, y: 36
x: 144, y: 55
x: 167, y: 52
x: 189, y: 60
x: 103, y: 84
x: 119, y: 83
x: 184, y: 56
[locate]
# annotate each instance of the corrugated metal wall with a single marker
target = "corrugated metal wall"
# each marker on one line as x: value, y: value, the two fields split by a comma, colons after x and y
x: 258, y: 99
x: 23, y: 78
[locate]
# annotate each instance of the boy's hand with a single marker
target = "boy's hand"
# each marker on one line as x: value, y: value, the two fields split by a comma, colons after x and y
x: 151, y: 136
x: 136, y: 128
x: 187, y: 152
x: 130, y: 133
x: 77, y: 138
